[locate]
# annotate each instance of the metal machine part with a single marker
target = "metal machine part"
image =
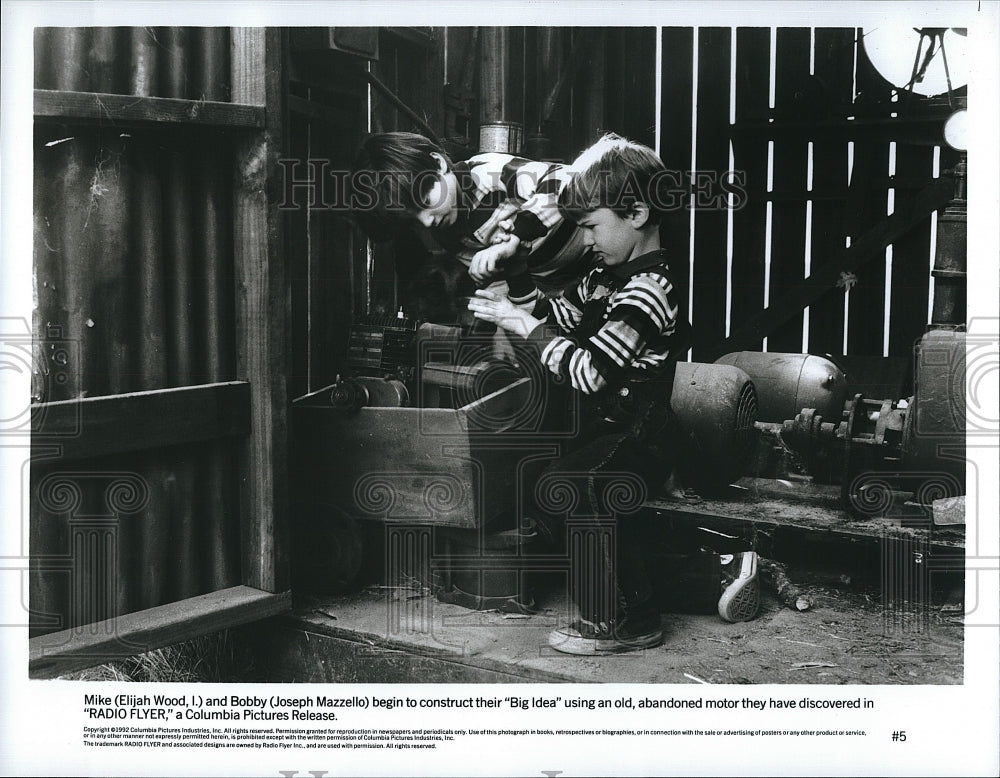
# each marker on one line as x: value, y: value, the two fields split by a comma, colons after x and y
x: 915, y: 444
x: 352, y: 394
x: 382, y: 343
x: 717, y: 405
x: 786, y: 383
x: 934, y: 437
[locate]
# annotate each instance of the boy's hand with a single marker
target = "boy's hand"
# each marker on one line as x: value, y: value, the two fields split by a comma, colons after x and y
x: 492, y: 307
x: 504, y: 232
x: 491, y: 263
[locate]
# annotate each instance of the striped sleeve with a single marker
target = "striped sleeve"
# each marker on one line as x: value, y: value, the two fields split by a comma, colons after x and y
x: 567, y: 309
x: 641, y: 312
x: 539, y: 184
x: 533, y: 186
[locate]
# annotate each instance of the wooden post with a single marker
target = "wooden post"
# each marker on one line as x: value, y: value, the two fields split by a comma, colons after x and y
x: 262, y: 309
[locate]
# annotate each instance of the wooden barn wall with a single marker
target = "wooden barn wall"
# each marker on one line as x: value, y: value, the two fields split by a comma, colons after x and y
x: 133, y: 258
x: 756, y: 101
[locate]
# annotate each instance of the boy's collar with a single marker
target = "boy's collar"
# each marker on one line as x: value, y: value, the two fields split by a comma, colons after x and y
x: 640, y: 263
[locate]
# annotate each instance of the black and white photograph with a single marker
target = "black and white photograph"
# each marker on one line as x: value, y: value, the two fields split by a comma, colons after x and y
x: 558, y: 397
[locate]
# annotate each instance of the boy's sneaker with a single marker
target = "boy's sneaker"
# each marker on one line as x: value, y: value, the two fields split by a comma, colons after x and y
x: 740, y: 599
x: 630, y: 633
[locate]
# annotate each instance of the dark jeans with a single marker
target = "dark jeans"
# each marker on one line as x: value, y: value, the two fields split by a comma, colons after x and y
x: 587, y: 501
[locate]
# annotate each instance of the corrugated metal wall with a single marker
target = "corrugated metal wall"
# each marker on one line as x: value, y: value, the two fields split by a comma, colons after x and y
x: 185, y: 62
x: 134, y: 291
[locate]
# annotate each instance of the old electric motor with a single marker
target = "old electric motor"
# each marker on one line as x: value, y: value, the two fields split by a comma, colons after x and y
x: 717, y: 407
x: 786, y: 383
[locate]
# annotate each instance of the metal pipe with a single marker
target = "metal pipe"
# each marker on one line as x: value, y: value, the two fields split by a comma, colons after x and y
x: 951, y: 259
x: 494, y: 75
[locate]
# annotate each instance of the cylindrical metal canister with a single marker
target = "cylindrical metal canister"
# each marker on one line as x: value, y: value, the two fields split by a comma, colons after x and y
x: 501, y: 137
x: 950, y: 259
x: 787, y: 383
x: 717, y: 407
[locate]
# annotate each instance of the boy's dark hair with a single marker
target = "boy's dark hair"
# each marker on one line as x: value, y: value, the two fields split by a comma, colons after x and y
x: 613, y: 173
x: 393, y: 172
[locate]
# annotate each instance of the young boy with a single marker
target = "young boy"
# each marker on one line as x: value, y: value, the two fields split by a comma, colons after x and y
x: 471, y: 208
x: 615, y: 339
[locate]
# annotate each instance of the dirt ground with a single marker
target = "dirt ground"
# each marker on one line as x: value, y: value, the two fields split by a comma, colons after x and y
x: 846, y: 637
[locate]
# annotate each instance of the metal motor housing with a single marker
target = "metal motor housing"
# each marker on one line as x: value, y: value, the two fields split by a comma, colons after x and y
x: 717, y: 406
x: 787, y: 383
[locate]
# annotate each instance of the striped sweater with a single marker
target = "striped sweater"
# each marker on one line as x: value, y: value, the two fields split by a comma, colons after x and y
x: 491, y: 181
x: 615, y: 326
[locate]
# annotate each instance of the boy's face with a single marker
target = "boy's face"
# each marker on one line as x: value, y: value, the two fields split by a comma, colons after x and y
x: 441, y: 201
x: 613, y: 238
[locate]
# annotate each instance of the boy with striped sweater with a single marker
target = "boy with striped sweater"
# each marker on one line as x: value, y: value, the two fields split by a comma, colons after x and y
x: 471, y: 208
x: 615, y: 338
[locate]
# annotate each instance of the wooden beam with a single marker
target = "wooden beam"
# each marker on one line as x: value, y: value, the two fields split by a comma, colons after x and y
x: 262, y: 307
x: 825, y: 278
x: 135, y: 633
x: 98, y: 426
x: 132, y: 109
x: 924, y: 130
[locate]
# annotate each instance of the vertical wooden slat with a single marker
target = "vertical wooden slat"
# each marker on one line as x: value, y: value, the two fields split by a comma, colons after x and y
x: 297, y: 224
x: 753, y: 46
x: 262, y: 309
x: 709, y: 276
x: 834, y: 68
x: 592, y: 93
x: 910, y: 283
x: 675, y: 145
x: 788, y: 213
x: 330, y: 275
x: 638, y: 84
x: 615, y: 115
x: 866, y: 206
